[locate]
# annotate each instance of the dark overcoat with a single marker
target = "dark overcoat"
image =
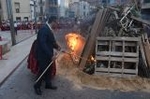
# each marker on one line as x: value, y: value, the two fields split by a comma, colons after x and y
x: 45, y: 44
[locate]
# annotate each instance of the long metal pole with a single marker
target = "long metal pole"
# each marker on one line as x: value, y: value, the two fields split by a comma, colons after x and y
x: 47, y: 67
x: 35, y: 16
x: 41, y: 10
x: 10, y: 17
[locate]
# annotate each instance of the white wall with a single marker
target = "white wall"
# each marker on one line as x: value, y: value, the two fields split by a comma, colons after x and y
x: 81, y: 9
x: 4, y: 10
x: 84, y: 9
x: 63, y: 6
x: 24, y: 9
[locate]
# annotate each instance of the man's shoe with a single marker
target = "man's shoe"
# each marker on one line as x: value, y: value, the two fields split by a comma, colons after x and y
x: 50, y: 87
x: 37, y: 90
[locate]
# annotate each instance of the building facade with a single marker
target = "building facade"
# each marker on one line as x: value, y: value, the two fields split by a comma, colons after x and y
x: 32, y: 9
x: 40, y: 9
x: 81, y: 9
x: 146, y: 10
x: 63, y: 8
x: 0, y: 14
x: 72, y: 1
x: 4, y: 15
x: 84, y: 9
x: 74, y: 7
x: 93, y: 2
x: 20, y: 9
x: 51, y: 8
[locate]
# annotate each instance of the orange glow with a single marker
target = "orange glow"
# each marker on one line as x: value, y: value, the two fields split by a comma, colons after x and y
x: 92, y: 58
x: 74, y: 41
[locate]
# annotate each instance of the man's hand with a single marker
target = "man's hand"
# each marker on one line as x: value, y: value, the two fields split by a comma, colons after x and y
x: 53, y: 58
x: 59, y: 48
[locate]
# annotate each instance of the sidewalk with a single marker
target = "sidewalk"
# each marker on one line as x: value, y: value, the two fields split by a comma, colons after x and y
x: 14, y: 57
x: 21, y: 35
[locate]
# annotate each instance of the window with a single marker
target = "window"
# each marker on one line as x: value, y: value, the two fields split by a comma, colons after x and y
x: 17, y: 7
x: 17, y: 11
x: 26, y: 18
x: 103, y: 1
x: 84, y: 7
x: 54, y: 2
x: 18, y: 18
x: 84, y: 14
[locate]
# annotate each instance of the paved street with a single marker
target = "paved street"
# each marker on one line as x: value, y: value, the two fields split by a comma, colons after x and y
x: 106, y: 65
x: 20, y: 86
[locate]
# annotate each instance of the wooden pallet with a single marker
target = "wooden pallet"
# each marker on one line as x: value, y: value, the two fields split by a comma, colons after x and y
x: 117, y: 56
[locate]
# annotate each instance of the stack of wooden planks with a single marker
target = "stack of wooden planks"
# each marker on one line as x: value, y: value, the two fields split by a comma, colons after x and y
x: 99, y: 24
x: 141, y: 45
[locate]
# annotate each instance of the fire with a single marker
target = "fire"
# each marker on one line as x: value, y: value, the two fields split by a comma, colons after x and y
x: 92, y: 58
x: 75, y: 43
x: 72, y: 41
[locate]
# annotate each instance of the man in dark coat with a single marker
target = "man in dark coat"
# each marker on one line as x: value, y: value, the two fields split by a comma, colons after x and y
x: 44, y: 53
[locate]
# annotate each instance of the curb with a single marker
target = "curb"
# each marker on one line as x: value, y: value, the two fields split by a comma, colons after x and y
x: 1, y: 83
x: 15, y: 67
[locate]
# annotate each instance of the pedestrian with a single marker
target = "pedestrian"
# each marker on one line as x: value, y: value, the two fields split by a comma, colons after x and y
x: 15, y: 26
x: 44, y: 54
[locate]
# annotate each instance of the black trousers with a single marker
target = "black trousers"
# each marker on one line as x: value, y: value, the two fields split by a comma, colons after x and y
x: 16, y: 30
x: 43, y: 64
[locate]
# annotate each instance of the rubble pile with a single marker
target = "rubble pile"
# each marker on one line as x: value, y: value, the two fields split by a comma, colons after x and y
x: 120, y: 26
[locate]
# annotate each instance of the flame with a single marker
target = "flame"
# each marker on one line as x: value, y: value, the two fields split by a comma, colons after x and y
x: 72, y: 41
x: 75, y: 43
x: 92, y: 58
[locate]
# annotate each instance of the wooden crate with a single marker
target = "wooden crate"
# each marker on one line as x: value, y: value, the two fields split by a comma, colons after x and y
x: 117, y: 56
